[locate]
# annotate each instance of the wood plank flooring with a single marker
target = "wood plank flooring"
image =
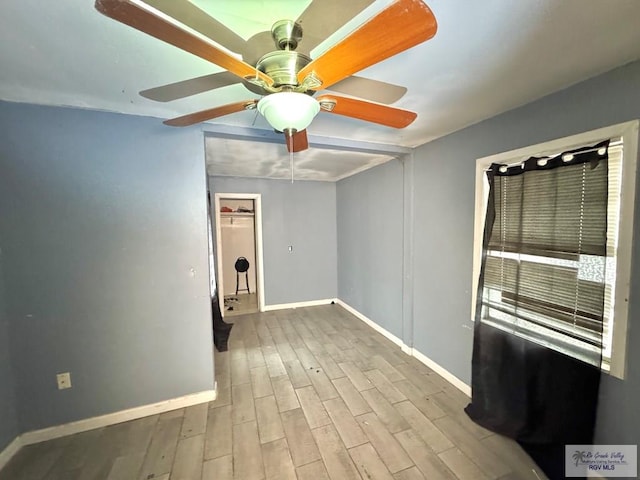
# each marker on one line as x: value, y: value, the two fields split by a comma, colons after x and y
x: 241, y: 304
x: 310, y: 393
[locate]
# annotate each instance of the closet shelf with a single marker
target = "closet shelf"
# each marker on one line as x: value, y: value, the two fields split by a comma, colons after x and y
x: 237, y: 214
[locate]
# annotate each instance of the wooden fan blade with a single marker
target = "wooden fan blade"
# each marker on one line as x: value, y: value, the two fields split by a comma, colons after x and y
x: 188, y: 14
x: 322, y: 18
x: 296, y: 142
x: 193, y: 86
x: 129, y: 13
x: 368, y: 89
x: 205, y: 115
x: 400, y: 26
x: 367, y: 111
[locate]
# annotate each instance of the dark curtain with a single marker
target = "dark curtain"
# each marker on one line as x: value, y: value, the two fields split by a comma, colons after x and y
x: 526, y: 384
x: 221, y: 329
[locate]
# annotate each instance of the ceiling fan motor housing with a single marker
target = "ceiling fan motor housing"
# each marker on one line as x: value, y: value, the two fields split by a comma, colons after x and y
x: 283, y: 67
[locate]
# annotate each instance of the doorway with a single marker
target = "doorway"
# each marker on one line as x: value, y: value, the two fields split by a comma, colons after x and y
x: 239, y: 253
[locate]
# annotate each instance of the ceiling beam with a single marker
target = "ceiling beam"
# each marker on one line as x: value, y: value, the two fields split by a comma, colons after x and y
x: 315, y: 141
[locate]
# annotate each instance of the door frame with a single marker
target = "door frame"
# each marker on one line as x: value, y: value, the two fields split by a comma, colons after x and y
x: 257, y: 219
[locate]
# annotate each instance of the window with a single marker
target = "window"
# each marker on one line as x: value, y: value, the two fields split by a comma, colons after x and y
x: 553, y: 327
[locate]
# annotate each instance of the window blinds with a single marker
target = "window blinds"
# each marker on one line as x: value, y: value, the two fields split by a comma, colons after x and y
x: 545, y: 259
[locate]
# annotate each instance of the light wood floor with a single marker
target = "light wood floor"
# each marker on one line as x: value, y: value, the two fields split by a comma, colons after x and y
x: 312, y: 394
x: 241, y: 304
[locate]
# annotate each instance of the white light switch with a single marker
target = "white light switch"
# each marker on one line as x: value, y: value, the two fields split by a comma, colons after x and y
x: 290, y: 248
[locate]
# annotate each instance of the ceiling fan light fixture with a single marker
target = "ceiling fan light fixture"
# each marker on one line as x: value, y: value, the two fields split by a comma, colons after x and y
x: 289, y: 110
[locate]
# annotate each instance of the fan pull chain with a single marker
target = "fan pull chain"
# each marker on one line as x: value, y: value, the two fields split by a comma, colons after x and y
x: 290, y: 139
x: 291, y: 161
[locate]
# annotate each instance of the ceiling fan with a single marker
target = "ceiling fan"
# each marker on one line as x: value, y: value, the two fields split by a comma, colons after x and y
x: 287, y: 78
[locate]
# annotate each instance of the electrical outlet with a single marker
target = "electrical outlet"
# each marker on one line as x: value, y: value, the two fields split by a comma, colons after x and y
x: 64, y: 380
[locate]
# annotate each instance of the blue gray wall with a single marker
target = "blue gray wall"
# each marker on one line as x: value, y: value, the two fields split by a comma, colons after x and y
x: 8, y: 412
x: 104, y: 237
x: 444, y: 182
x: 370, y: 244
x: 301, y: 214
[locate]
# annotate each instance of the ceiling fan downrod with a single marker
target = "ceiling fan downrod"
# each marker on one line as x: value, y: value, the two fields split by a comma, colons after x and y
x: 283, y: 65
x: 286, y: 34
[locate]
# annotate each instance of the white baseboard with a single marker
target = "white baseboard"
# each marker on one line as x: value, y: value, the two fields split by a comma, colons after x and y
x: 372, y: 324
x: 407, y: 349
x: 50, y: 433
x: 311, y: 303
x: 443, y: 372
x: 9, y: 451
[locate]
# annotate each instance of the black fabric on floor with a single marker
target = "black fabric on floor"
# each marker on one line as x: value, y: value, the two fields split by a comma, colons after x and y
x: 221, y: 329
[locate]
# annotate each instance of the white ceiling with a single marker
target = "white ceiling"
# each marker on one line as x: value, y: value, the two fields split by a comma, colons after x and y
x: 487, y: 57
x: 270, y: 160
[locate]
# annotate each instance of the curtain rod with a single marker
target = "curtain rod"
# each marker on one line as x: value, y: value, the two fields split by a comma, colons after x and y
x: 520, y: 162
